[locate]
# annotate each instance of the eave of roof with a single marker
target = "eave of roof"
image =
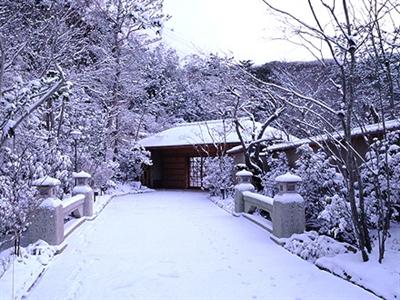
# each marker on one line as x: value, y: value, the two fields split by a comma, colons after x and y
x: 355, y: 132
x: 230, y: 144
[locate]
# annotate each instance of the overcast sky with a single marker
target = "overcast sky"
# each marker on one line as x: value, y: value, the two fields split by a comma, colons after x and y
x: 239, y: 28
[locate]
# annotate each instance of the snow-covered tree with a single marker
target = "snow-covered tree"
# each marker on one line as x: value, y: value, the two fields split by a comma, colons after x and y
x: 132, y: 162
x: 275, y: 166
x: 335, y: 219
x: 321, y: 179
x: 380, y: 177
x: 218, y: 177
x: 350, y: 36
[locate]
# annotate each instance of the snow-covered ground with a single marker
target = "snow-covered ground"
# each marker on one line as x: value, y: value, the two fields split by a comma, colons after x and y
x: 383, y: 279
x: 179, y: 245
x: 17, y: 274
x: 339, y: 258
x: 23, y: 271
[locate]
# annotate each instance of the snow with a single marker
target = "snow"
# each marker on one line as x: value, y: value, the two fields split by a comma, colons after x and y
x: 51, y: 202
x: 228, y: 204
x: 344, y: 261
x: 179, y: 245
x: 235, y: 149
x: 207, y: 132
x: 288, y: 177
x: 69, y: 201
x: 383, y: 279
x: 311, y: 246
x: 244, y: 173
x: 6, y: 128
x: 46, y: 181
x: 27, y: 268
x: 36, y: 257
x: 259, y: 197
x: 81, y: 174
x: 288, y: 198
x: 82, y: 189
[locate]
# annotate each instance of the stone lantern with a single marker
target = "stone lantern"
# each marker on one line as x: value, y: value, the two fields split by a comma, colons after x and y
x: 287, y: 183
x: 244, y: 185
x: 46, y: 186
x: 47, y: 224
x: 244, y: 176
x: 288, y: 212
x: 81, y: 178
x: 82, y: 187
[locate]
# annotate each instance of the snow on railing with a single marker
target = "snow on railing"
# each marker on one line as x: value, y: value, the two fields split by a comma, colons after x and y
x: 48, y: 222
x: 261, y: 200
x: 286, y: 209
x: 74, y: 205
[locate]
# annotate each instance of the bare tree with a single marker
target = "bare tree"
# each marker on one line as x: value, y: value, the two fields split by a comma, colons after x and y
x: 345, y: 38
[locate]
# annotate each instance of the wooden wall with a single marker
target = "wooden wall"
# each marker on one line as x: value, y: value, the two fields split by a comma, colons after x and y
x: 174, y: 172
x: 171, y: 166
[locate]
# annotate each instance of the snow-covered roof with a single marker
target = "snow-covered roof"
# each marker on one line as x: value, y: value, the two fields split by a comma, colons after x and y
x: 357, y: 131
x: 207, y: 132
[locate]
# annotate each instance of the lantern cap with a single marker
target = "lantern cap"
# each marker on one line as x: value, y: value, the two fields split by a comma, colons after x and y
x: 244, y: 173
x: 81, y: 174
x: 46, y: 181
x: 288, y: 177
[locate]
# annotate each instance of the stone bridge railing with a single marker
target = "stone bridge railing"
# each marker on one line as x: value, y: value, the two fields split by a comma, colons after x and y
x: 286, y: 209
x: 55, y: 219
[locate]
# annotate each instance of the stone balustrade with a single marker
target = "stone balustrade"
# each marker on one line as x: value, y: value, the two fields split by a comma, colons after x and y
x: 286, y: 209
x: 48, y: 222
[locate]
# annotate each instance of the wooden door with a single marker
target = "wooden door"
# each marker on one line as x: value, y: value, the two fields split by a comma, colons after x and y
x: 174, y: 172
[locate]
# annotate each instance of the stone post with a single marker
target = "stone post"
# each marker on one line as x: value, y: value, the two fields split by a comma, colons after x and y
x: 243, y: 185
x: 47, y: 223
x: 288, y: 215
x: 82, y: 187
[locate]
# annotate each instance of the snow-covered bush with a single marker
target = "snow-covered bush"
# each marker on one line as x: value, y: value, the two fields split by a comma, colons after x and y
x: 335, y: 219
x: 103, y: 175
x: 321, y: 180
x: 275, y: 166
x: 381, y: 178
x: 311, y: 246
x: 17, y: 201
x: 132, y: 163
x: 218, y: 177
x: 51, y: 161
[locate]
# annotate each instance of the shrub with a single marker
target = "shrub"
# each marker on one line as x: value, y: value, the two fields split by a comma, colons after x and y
x: 219, y: 172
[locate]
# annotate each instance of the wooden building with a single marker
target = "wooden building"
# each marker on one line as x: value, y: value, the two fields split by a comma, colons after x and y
x: 361, y: 138
x: 178, y: 153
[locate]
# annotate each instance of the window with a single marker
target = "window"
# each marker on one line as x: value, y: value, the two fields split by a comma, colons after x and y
x: 196, y: 171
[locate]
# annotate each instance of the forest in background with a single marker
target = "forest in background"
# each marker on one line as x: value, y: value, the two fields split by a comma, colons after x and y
x: 100, y: 67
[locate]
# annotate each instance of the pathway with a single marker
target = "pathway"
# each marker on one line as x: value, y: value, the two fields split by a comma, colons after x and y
x: 178, y: 245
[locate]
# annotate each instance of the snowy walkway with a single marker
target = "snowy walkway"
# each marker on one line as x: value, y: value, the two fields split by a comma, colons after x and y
x: 178, y: 245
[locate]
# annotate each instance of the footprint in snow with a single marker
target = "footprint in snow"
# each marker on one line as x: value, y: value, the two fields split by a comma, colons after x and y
x: 169, y: 275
